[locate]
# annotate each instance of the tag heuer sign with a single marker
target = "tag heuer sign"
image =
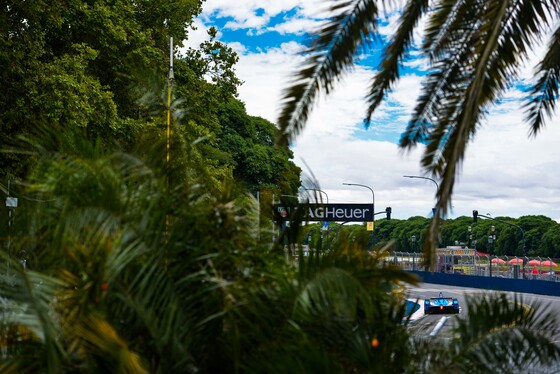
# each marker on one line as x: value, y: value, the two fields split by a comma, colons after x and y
x: 328, y: 212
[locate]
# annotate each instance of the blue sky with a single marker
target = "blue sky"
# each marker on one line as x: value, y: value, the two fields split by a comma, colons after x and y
x: 505, y: 173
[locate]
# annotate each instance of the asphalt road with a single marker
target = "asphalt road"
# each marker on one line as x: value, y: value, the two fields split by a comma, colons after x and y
x: 439, y: 325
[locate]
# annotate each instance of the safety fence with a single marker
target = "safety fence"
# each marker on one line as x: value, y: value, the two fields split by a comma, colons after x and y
x: 483, y: 265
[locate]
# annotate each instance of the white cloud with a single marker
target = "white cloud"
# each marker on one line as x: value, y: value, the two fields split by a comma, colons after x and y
x: 256, y: 13
x: 265, y: 74
x: 295, y: 26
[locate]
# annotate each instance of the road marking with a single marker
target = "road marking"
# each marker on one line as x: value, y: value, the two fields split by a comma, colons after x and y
x: 419, y: 313
x: 439, y: 326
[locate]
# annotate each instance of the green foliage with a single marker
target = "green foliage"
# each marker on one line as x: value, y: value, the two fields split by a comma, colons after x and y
x: 102, y: 67
x: 215, y: 60
x: 498, y: 335
x: 130, y: 273
x: 541, y: 234
x: 256, y: 161
x: 75, y: 64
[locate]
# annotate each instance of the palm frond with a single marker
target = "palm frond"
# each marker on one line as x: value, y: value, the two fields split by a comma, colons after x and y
x: 331, y: 54
x: 104, y: 350
x: 544, y: 93
x: 394, y: 54
x: 27, y: 305
x: 445, y: 21
x: 432, y: 120
x: 500, y: 331
x: 499, y: 334
x: 444, y: 156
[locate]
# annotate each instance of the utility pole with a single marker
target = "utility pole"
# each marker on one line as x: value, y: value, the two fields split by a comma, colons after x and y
x: 524, y: 249
x: 11, y: 204
x: 170, y: 80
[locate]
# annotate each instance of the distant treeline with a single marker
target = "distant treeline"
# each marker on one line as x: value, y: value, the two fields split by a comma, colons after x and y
x: 541, y: 234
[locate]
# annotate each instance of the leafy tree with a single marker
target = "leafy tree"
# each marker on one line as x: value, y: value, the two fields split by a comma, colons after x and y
x: 539, y: 234
x: 75, y: 64
x: 548, y: 244
x: 215, y: 61
x: 254, y: 158
x: 475, y: 50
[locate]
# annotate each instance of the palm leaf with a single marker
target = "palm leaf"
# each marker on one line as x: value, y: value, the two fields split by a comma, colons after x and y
x: 394, y: 53
x: 543, y: 95
x: 330, y: 55
x: 27, y: 305
x: 451, y: 56
x: 443, y: 156
x: 498, y: 335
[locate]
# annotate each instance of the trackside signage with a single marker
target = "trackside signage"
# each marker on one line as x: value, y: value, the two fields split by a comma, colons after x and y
x: 325, y: 212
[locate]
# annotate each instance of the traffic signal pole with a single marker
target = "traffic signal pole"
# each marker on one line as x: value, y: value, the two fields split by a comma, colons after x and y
x: 476, y: 215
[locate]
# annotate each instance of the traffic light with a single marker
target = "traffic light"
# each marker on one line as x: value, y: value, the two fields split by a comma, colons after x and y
x: 388, y: 210
x: 474, y: 215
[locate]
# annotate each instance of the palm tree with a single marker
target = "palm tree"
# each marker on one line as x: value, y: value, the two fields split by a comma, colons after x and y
x: 130, y: 274
x: 475, y: 50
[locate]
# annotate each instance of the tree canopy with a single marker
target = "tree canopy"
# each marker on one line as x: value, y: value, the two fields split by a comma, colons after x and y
x: 408, y: 235
x: 102, y: 67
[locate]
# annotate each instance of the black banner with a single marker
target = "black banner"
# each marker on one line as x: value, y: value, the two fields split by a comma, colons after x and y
x: 326, y: 212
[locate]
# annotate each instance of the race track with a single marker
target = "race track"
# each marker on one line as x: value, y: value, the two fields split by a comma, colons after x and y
x: 440, y: 324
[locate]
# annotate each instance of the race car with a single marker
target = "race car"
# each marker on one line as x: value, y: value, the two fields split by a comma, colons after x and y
x: 441, y: 304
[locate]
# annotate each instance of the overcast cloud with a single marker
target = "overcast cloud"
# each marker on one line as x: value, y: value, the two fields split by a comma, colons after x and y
x: 505, y: 172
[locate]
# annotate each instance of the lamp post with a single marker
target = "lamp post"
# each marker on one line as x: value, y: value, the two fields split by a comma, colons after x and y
x: 492, y: 237
x: 492, y: 241
x: 318, y: 190
x: 413, y: 238
x: 470, y: 236
x: 514, y: 225
x: 427, y: 178
x: 372, y: 205
x: 327, y: 227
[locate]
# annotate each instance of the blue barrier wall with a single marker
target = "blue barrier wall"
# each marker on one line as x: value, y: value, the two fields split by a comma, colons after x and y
x: 539, y: 287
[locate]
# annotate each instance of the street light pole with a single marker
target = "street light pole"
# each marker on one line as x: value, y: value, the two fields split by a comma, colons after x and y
x: 372, y: 205
x: 493, y: 234
x: 511, y: 224
x: 413, y: 252
x: 327, y: 228
x: 427, y: 178
x: 317, y: 190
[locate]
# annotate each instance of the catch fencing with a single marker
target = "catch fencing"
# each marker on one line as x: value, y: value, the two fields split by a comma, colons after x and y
x: 537, y: 268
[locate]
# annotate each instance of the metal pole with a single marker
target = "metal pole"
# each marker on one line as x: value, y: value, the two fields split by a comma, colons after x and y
x: 430, y: 179
x: 318, y: 190
x: 372, y: 206
x: 273, y: 202
x: 170, y: 79
x: 11, y: 204
x: 514, y: 225
x: 259, y: 216
x: 9, y: 229
x: 327, y: 233
x: 413, y: 252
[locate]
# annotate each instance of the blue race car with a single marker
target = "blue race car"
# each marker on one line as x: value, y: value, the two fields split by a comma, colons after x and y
x: 441, y: 304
